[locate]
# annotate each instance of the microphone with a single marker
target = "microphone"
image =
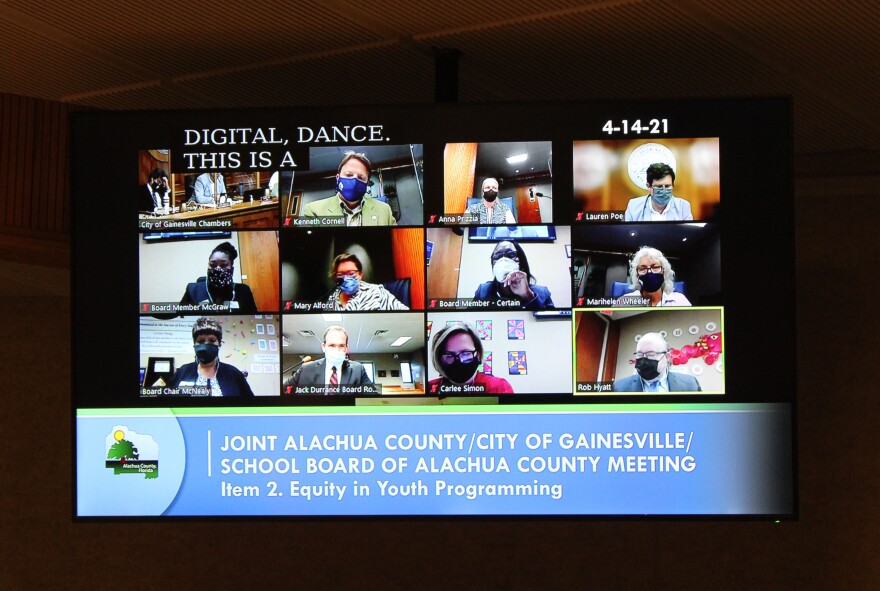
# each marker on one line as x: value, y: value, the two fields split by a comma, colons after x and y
x: 305, y: 359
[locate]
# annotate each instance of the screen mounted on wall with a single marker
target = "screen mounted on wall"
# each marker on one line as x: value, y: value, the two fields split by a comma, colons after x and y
x: 519, y: 309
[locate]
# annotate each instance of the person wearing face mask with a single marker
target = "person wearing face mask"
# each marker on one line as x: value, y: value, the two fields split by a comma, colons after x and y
x: 152, y: 195
x: 217, y: 287
x: 350, y: 202
x: 218, y: 379
x: 654, y: 281
x: 513, y: 279
x: 457, y: 353
x: 490, y: 210
x: 333, y: 375
x: 659, y: 205
x: 352, y: 293
x: 652, y: 360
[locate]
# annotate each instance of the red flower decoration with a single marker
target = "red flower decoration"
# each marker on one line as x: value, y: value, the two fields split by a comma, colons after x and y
x: 691, y: 351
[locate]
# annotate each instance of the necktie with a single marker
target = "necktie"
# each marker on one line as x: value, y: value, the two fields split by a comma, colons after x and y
x: 653, y: 386
x: 334, y: 380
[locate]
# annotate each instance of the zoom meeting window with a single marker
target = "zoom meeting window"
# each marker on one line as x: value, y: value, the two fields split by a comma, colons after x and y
x: 467, y: 310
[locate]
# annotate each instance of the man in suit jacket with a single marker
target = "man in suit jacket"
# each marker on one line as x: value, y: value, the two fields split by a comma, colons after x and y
x: 150, y: 195
x: 652, y: 367
x: 352, y: 180
x: 334, y: 374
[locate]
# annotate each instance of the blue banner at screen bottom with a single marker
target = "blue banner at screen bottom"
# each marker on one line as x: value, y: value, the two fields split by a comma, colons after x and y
x: 569, y: 461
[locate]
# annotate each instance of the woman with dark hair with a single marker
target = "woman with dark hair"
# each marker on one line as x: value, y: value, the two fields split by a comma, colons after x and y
x: 457, y: 353
x: 513, y: 279
x: 217, y: 379
x: 353, y: 293
x: 217, y: 286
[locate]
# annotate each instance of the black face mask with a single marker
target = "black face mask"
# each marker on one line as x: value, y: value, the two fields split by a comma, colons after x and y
x: 490, y: 195
x: 647, y: 368
x: 651, y: 282
x: 219, y: 277
x: 458, y: 372
x: 206, y: 353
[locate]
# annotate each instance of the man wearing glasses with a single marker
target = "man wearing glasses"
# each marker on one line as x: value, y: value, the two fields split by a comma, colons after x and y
x: 352, y: 293
x: 659, y: 205
x: 652, y: 359
x: 335, y: 374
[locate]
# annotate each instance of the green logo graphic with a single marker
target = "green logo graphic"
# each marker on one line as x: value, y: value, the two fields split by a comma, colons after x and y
x: 132, y: 453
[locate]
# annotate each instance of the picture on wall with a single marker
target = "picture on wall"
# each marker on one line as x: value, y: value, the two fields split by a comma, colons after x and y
x: 483, y: 329
x: 486, y: 366
x: 516, y: 330
x: 516, y: 363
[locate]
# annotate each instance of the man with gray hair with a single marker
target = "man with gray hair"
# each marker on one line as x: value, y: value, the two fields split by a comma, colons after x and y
x: 652, y: 359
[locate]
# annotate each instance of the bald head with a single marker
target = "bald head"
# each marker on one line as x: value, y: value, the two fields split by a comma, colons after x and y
x: 652, y: 341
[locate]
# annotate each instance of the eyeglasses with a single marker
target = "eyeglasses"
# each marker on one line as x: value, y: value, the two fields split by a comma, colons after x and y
x: 464, y: 356
x: 641, y: 270
x: 661, y: 186
x: 652, y: 355
x: 505, y: 254
x: 344, y: 275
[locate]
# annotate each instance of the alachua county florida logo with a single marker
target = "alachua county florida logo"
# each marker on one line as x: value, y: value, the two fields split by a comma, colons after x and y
x: 132, y: 453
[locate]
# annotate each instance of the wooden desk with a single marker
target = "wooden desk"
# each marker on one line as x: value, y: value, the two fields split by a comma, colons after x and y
x: 259, y: 214
x: 393, y: 390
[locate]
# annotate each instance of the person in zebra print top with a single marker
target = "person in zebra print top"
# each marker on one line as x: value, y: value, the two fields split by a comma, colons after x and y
x: 352, y: 293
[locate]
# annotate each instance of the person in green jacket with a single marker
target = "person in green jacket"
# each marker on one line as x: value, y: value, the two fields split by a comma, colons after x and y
x: 349, y: 202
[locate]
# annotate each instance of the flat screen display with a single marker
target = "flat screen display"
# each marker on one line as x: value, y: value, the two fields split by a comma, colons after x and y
x: 565, y: 309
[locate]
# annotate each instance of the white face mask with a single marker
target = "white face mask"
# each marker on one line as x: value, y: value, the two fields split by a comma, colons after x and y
x: 503, y: 267
x: 334, y: 357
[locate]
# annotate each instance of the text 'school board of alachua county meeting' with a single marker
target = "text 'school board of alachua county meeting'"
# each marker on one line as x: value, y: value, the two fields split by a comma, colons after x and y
x: 433, y: 310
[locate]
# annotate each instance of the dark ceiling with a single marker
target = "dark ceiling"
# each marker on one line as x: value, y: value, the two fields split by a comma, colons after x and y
x: 220, y: 53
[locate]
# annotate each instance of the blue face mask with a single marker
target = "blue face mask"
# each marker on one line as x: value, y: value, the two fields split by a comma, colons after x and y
x: 351, y: 188
x: 662, y: 196
x: 206, y: 352
x: 349, y: 285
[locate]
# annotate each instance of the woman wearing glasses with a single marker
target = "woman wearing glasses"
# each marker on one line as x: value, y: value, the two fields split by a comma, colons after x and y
x: 351, y: 293
x: 513, y: 279
x: 457, y: 353
x: 653, y: 279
